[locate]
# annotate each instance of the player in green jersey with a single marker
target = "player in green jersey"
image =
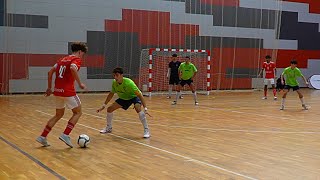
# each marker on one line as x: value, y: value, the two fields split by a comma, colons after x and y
x: 187, y: 72
x: 129, y: 94
x: 292, y: 73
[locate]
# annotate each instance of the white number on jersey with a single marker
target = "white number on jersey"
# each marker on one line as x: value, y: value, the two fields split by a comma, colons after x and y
x: 61, y: 71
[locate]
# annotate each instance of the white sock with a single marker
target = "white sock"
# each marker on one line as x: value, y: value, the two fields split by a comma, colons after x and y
x: 282, y: 102
x: 170, y: 90
x: 302, y: 100
x: 195, y: 96
x: 143, y: 119
x: 178, y: 95
x: 109, y: 119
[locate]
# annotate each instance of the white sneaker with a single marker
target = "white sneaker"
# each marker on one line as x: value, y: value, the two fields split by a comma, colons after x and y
x: 66, y: 139
x: 168, y: 97
x: 304, y: 107
x: 275, y: 98
x: 282, y: 107
x: 264, y: 98
x: 106, y: 130
x: 174, y: 102
x: 146, y: 133
x: 181, y: 97
x: 196, y: 103
x: 43, y: 141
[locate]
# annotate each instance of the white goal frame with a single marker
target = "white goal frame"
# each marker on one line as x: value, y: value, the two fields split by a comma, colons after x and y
x: 151, y: 50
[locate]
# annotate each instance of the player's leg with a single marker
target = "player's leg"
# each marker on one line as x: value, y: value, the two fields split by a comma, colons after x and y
x: 181, y: 84
x: 170, y: 89
x: 284, y: 96
x: 116, y: 105
x: 60, y: 108
x: 74, y: 104
x: 194, y: 93
x: 296, y: 88
x: 273, y: 89
x: 177, y: 82
x: 142, y: 116
x: 265, y: 90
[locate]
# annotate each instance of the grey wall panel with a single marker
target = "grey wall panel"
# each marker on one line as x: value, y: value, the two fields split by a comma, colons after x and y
x: 96, y: 41
x: 28, y: 21
x: 61, y: 20
x: 224, y: 42
x: 2, y: 11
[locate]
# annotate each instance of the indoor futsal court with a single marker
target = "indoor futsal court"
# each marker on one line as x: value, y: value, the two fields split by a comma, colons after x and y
x: 160, y: 89
x: 230, y: 135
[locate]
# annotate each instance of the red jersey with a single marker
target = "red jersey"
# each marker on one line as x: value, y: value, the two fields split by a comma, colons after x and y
x: 269, y: 68
x: 64, y: 82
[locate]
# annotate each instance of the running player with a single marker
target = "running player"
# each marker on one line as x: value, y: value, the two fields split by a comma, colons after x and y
x: 66, y: 70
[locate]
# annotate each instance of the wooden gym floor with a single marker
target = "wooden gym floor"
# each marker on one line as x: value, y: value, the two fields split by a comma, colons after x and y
x: 230, y: 135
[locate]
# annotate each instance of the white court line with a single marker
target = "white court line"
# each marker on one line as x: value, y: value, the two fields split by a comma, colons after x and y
x: 162, y: 150
x: 213, y: 129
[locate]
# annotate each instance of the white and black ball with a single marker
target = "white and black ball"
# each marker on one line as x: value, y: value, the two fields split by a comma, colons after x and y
x: 83, y: 140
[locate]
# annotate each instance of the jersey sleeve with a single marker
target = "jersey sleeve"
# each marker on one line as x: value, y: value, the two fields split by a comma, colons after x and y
x: 76, y: 63
x: 299, y: 74
x: 284, y: 71
x: 113, y: 90
x: 194, y: 68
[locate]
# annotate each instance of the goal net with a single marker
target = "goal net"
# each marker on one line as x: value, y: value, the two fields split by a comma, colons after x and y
x: 154, y: 65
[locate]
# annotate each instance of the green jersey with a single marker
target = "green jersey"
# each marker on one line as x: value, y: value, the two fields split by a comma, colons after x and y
x: 126, y: 89
x: 291, y: 76
x: 187, y: 70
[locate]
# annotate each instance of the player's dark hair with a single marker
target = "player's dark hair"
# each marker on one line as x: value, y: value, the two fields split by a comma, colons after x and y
x: 117, y: 70
x: 187, y: 57
x: 294, y: 61
x: 268, y: 57
x: 174, y: 55
x: 79, y: 46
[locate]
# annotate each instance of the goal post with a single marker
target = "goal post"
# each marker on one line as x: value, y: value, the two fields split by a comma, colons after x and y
x: 154, y: 67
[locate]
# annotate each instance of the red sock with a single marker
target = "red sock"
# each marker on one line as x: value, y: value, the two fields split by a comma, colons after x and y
x: 46, y: 131
x: 69, y: 128
x: 274, y: 92
x: 265, y: 93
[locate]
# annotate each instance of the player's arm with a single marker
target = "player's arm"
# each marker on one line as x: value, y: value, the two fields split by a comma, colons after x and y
x: 305, y: 80
x: 282, y: 78
x: 74, y: 72
x: 169, y: 72
x: 108, y: 99
x: 50, y: 74
x: 140, y: 96
x: 260, y: 72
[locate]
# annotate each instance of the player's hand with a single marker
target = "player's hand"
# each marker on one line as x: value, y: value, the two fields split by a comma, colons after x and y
x: 48, y: 92
x: 146, y: 112
x: 282, y: 82
x: 83, y: 86
x: 100, y: 109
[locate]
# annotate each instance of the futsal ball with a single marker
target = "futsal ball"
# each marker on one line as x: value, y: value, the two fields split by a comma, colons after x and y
x: 83, y: 140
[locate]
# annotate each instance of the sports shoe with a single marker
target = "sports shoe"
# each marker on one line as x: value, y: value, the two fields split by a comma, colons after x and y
x: 66, y: 139
x: 181, y: 97
x: 304, y: 107
x: 264, y: 98
x: 275, y: 98
x: 168, y: 97
x: 146, y: 133
x: 282, y: 107
x: 174, y: 102
x: 196, y: 103
x: 43, y: 141
x: 106, y: 130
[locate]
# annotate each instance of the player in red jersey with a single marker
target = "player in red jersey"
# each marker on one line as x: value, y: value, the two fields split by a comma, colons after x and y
x: 66, y: 70
x: 270, y: 68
